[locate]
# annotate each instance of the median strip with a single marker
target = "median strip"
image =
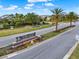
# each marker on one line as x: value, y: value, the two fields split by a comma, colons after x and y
x: 4, y: 51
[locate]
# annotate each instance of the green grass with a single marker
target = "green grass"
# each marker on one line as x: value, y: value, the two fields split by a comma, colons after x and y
x: 51, y: 34
x: 7, y: 32
x: 75, y: 54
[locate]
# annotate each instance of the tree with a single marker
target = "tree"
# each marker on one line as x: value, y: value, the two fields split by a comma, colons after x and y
x: 18, y: 24
x: 32, y: 19
x: 6, y: 25
x: 56, y: 16
x: 18, y: 20
x: 71, y: 16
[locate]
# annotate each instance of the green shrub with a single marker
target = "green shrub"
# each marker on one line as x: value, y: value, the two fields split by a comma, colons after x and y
x: 6, y: 25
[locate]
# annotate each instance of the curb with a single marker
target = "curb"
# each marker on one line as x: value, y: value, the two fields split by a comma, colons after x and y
x: 67, y: 56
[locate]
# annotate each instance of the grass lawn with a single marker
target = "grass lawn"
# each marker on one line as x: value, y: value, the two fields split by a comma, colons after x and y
x: 7, y: 32
x: 75, y: 54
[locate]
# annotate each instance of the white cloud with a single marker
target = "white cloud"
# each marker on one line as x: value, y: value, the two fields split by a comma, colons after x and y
x: 1, y: 6
x: 49, y: 4
x: 43, y: 11
x: 30, y: 4
x: 38, y: 0
x: 27, y: 7
x: 11, y: 7
x: 19, y: 8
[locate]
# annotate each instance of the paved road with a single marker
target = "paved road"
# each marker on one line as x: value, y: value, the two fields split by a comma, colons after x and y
x: 56, y: 48
x: 4, y: 41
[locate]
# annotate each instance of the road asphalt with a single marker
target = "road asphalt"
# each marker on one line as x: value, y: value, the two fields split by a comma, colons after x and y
x: 56, y: 48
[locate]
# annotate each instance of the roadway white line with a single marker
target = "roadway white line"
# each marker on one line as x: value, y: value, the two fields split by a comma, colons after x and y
x: 70, y: 51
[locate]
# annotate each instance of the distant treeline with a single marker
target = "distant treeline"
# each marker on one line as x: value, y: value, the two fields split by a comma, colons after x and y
x: 18, y: 20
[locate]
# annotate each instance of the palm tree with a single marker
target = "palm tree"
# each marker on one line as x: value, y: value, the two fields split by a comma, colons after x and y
x: 56, y: 16
x: 71, y: 16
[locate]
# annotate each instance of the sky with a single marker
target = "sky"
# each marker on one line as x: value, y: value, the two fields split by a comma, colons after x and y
x: 40, y: 7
